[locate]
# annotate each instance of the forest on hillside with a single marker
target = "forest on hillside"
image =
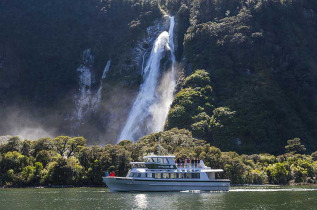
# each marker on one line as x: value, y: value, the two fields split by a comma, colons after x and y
x: 248, y: 69
x: 68, y: 161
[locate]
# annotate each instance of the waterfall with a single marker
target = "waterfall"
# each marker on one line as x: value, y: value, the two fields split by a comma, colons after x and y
x: 105, y: 71
x: 152, y: 104
x: 85, y: 81
x: 87, y: 100
x: 95, y: 101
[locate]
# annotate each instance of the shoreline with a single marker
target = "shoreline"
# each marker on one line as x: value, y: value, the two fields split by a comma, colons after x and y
x: 54, y: 186
x: 104, y: 186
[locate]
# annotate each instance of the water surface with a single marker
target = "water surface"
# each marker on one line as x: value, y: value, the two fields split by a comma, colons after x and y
x: 100, y: 198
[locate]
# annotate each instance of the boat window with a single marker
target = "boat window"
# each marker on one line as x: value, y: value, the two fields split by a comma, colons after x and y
x: 211, y: 175
x: 165, y: 175
x: 139, y: 174
x: 195, y: 175
x: 181, y: 176
x: 159, y: 160
x: 153, y: 175
x: 172, y: 175
x: 165, y: 160
x: 188, y: 176
x: 131, y: 175
x: 157, y: 175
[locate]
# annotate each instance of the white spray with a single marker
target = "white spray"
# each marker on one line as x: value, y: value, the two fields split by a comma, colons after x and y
x: 151, y: 106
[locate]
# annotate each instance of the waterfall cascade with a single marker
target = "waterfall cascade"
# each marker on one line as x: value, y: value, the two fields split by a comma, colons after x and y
x: 85, y: 81
x: 152, y: 104
x: 95, y: 101
x: 87, y: 100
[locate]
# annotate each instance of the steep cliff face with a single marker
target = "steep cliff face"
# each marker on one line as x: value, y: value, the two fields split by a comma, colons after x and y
x: 256, y: 84
x: 260, y: 57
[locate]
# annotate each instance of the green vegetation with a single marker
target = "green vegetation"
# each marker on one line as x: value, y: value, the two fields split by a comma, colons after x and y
x: 67, y: 161
x: 260, y: 56
x: 249, y: 66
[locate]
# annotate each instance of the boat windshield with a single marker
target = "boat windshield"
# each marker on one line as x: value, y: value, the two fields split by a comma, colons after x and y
x: 158, y: 160
x: 138, y: 165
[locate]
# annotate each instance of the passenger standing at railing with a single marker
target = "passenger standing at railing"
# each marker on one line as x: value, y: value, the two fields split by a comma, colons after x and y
x: 188, y: 162
x: 183, y: 162
x: 178, y: 162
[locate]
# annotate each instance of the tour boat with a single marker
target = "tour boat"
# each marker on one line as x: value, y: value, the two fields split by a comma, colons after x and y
x: 160, y: 173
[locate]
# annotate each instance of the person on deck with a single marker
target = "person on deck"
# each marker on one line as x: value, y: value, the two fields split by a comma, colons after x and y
x: 178, y: 162
x: 192, y: 162
x: 106, y: 174
x: 188, y: 162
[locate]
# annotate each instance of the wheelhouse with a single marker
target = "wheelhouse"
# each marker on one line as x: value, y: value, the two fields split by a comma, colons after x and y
x: 156, y: 162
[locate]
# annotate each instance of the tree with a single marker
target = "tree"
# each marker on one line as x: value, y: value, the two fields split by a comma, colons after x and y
x: 295, y: 146
x: 60, y: 144
x: 14, y: 160
x: 314, y: 155
x: 42, y: 144
x: 75, y: 145
x: 277, y: 173
x: 45, y: 156
x: 26, y: 147
x: 14, y: 144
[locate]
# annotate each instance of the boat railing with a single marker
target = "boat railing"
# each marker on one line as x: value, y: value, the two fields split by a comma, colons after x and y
x: 148, y: 164
x: 200, y: 164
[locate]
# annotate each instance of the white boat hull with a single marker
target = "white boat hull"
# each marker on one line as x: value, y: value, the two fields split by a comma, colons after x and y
x: 125, y: 184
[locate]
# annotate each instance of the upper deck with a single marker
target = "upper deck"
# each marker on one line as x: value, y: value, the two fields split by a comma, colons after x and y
x: 160, y: 162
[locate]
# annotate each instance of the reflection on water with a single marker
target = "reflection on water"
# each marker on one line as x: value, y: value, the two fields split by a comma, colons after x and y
x: 141, y: 201
x: 272, y: 190
x: 273, y: 197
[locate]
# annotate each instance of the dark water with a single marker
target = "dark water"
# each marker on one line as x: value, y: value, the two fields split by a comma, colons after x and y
x: 100, y: 198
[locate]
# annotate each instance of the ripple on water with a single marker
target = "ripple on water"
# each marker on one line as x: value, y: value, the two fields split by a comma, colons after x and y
x: 277, y: 189
x: 272, y: 197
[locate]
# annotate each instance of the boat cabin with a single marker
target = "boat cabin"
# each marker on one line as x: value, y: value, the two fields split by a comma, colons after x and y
x: 164, y: 167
